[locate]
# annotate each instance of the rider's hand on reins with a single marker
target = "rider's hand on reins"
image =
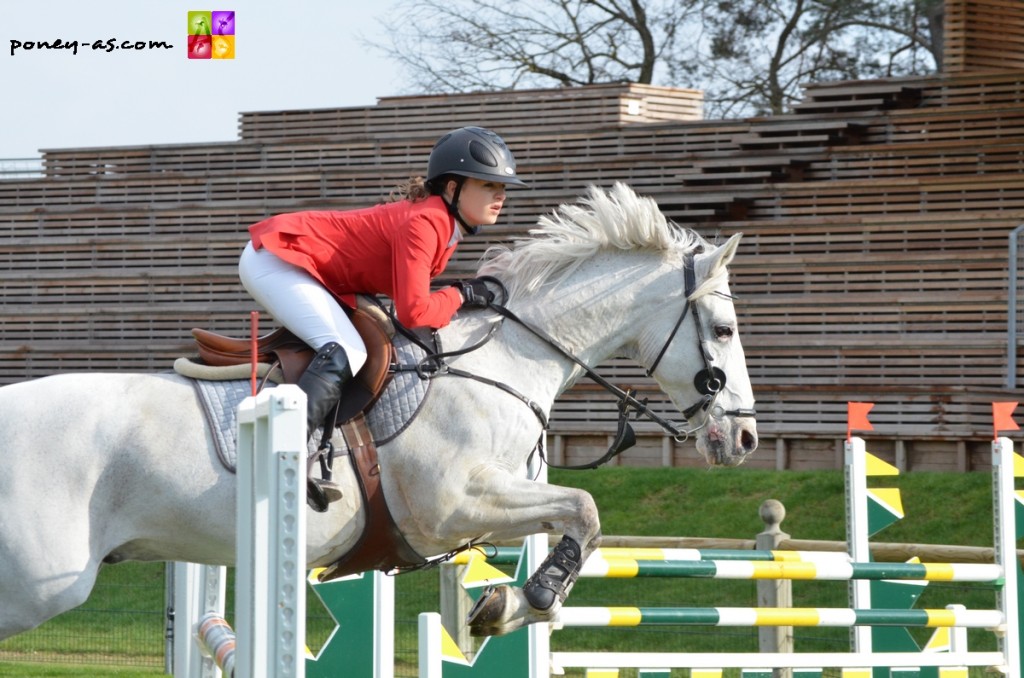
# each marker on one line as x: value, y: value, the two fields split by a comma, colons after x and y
x: 475, y: 293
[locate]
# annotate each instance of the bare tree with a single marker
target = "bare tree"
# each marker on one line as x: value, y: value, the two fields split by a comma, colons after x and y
x: 462, y: 45
x: 749, y: 56
x: 762, y: 51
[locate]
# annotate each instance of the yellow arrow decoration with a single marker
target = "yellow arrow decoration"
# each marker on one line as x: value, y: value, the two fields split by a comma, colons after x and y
x: 889, y: 498
x: 480, y: 573
x: 450, y: 650
x: 878, y: 467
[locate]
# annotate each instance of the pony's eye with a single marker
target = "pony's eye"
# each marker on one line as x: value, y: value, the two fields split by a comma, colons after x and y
x: 723, y: 331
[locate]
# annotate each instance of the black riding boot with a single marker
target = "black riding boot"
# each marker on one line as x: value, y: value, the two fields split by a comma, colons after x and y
x: 323, y: 382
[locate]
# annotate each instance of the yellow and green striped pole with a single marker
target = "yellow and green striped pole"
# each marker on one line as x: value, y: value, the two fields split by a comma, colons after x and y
x: 775, y: 616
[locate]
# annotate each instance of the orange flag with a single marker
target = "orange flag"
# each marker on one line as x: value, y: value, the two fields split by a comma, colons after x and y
x: 857, y: 417
x: 1002, y: 418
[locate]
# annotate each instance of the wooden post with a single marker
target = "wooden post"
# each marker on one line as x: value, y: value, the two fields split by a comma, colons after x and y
x: 774, y: 592
x: 901, y: 455
x: 781, y: 454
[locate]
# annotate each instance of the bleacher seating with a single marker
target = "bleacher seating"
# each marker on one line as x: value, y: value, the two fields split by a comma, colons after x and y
x: 873, y: 267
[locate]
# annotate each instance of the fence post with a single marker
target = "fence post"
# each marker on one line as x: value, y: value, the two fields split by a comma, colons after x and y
x: 774, y: 592
x: 198, y: 589
x: 270, y: 573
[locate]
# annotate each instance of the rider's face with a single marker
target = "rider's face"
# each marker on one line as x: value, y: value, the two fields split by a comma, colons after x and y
x: 480, y: 201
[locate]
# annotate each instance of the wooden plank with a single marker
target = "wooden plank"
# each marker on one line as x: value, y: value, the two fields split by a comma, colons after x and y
x: 884, y: 284
x: 757, y: 141
x: 840, y: 105
x: 510, y: 111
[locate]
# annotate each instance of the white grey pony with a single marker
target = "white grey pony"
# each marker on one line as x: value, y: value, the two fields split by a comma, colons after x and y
x: 106, y: 467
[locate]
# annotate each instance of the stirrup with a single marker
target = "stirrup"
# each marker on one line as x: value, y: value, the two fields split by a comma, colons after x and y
x: 320, y: 493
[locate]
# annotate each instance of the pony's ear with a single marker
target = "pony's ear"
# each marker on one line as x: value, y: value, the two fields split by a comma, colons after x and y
x: 723, y: 255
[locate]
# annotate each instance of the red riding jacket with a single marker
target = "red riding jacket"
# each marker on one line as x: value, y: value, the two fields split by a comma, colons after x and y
x: 393, y: 248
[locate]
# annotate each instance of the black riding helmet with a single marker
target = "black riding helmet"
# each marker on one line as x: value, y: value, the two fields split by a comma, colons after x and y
x: 473, y: 152
x: 470, y: 152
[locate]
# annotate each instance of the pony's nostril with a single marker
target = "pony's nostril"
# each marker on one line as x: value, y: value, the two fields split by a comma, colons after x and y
x: 748, y: 441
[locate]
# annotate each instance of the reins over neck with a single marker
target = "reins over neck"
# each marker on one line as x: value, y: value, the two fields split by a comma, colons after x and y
x: 709, y: 381
x: 625, y: 437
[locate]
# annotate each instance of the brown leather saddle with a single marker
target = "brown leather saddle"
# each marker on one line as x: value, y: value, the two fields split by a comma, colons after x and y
x: 283, y: 348
x: 381, y: 545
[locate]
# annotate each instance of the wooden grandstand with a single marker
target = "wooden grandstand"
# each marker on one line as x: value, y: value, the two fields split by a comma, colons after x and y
x: 876, y: 221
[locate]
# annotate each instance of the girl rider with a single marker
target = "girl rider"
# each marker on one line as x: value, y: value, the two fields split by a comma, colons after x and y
x: 298, y: 266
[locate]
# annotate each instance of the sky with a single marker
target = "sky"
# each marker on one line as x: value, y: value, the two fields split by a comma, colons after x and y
x: 295, y: 55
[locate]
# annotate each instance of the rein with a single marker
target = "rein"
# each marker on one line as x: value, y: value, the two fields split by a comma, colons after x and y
x: 625, y: 437
x: 709, y: 382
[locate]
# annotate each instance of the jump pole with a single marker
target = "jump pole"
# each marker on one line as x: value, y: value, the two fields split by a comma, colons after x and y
x: 1004, y: 619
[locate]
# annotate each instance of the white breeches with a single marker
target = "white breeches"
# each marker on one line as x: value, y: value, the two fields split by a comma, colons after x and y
x: 298, y: 301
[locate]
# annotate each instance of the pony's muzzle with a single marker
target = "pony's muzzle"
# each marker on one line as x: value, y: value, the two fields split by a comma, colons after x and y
x: 728, y: 440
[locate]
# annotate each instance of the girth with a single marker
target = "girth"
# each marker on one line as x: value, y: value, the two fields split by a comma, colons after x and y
x: 381, y: 546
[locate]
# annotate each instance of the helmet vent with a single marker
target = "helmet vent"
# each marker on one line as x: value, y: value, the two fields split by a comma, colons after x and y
x: 482, y: 154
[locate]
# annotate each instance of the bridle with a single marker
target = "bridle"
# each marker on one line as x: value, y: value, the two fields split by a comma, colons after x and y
x: 709, y: 382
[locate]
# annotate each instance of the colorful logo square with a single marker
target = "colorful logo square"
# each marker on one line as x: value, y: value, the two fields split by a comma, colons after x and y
x: 223, y: 47
x: 200, y: 23
x: 200, y: 47
x: 211, y: 34
x: 223, y: 23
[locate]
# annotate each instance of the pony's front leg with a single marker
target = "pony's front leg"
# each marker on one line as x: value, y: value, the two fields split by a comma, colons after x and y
x: 501, y: 609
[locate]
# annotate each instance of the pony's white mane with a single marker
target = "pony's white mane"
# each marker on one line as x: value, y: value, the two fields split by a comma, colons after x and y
x: 618, y: 219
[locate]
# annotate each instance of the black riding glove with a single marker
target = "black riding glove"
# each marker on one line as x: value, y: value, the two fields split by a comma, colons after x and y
x: 474, y: 293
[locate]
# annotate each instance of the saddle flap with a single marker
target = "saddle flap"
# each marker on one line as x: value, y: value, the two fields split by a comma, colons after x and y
x: 362, y: 392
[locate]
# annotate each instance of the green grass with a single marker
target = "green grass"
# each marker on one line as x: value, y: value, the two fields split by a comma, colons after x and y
x: 940, y: 508
x: 29, y: 670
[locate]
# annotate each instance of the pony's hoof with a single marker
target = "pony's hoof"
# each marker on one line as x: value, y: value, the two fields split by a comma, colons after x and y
x: 491, y: 614
x: 489, y: 606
